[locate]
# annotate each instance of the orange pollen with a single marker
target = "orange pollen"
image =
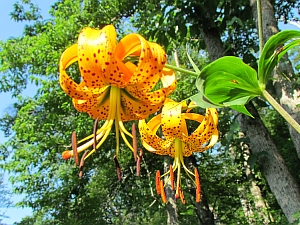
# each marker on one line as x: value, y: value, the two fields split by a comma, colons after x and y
x: 134, y: 141
x: 67, y: 155
x: 198, y: 188
x: 158, y: 182
x: 163, y: 193
x: 74, y: 148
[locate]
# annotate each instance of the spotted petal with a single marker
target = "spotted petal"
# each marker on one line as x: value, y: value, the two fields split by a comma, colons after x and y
x: 151, y: 141
x: 68, y: 85
x: 97, y: 61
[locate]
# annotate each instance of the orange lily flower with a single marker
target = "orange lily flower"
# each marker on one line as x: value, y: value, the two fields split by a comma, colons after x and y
x: 177, y: 143
x: 113, y: 88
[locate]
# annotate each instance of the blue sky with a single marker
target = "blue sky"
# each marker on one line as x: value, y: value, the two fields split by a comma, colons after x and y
x: 9, y: 28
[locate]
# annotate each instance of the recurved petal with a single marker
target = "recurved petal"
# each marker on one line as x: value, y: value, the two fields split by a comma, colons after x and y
x: 152, y: 58
x: 95, y: 102
x: 135, y: 108
x: 96, y: 57
x: 157, y: 97
x: 100, y: 112
x: 207, y: 135
x: 173, y: 125
x: 73, y: 89
x: 152, y: 142
x: 168, y: 80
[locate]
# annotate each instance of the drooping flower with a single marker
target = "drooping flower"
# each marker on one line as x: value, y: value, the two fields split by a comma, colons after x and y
x: 112, y: 87
x: 177, y: 142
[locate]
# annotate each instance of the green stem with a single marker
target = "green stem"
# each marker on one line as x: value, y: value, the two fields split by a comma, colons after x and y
x: 260, y: 26
x: 281, y: 111
x: 181, y: 70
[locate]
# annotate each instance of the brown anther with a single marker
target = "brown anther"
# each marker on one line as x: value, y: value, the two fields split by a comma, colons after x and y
x: 138, y: 163
x: 134, y: 142
x: 198, y: 187
x: 82, y: 163
x: 119, y: 172
x: 95, y: 134
x: 74, y: 148
x: 172, y: 177
x: 163, y: 193
x: 158, y: 182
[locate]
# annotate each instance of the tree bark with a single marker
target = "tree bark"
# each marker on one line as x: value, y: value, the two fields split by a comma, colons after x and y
x: 171, y: 207
x: 281, y: 182
x: 259, y: 203
x: 203, y: 212
x: 287, y: 95
x: 215, y: 48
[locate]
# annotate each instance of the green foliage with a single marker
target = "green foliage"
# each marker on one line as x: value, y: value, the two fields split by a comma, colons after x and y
x: 274, y: 50
x: 227, y: 82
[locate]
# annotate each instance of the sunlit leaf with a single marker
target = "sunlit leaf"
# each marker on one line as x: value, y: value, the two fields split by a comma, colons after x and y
x: 274, y: 50
x: 227, y: 82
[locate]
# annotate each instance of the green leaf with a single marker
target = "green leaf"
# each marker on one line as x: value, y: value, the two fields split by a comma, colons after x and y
x: 227, y: 82
x: 274, y: 50
x: 193, y: 64
x: 241, y: 109
x: 202, y: 102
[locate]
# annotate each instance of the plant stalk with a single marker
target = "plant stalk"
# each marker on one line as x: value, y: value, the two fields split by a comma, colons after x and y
x: 260, y: 26
x: 281, y: 111
x: 175, y: 68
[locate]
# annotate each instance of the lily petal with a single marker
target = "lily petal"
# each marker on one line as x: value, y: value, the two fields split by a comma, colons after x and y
x: 68, y: 85
x: 171, y: 121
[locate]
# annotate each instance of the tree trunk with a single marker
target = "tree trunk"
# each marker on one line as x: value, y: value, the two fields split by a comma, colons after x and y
x: 246, y: 205
x: 215, y: 48
x: 281, y: 182
x: 171, y: 207
x: 203, y: 212
x: 259, y: 207
x: 287, y: 95
x: 259, y: 203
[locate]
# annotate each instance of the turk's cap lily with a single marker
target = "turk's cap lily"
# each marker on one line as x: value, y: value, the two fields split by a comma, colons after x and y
x: 177, y: 142
x: 173, y: 124
x: 113, y: 87
x: 103, y: 63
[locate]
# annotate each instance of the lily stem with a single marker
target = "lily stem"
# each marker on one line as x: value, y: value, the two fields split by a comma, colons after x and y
x: 260, y: 26
x: 186, y: 71
x: 281, y: 111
